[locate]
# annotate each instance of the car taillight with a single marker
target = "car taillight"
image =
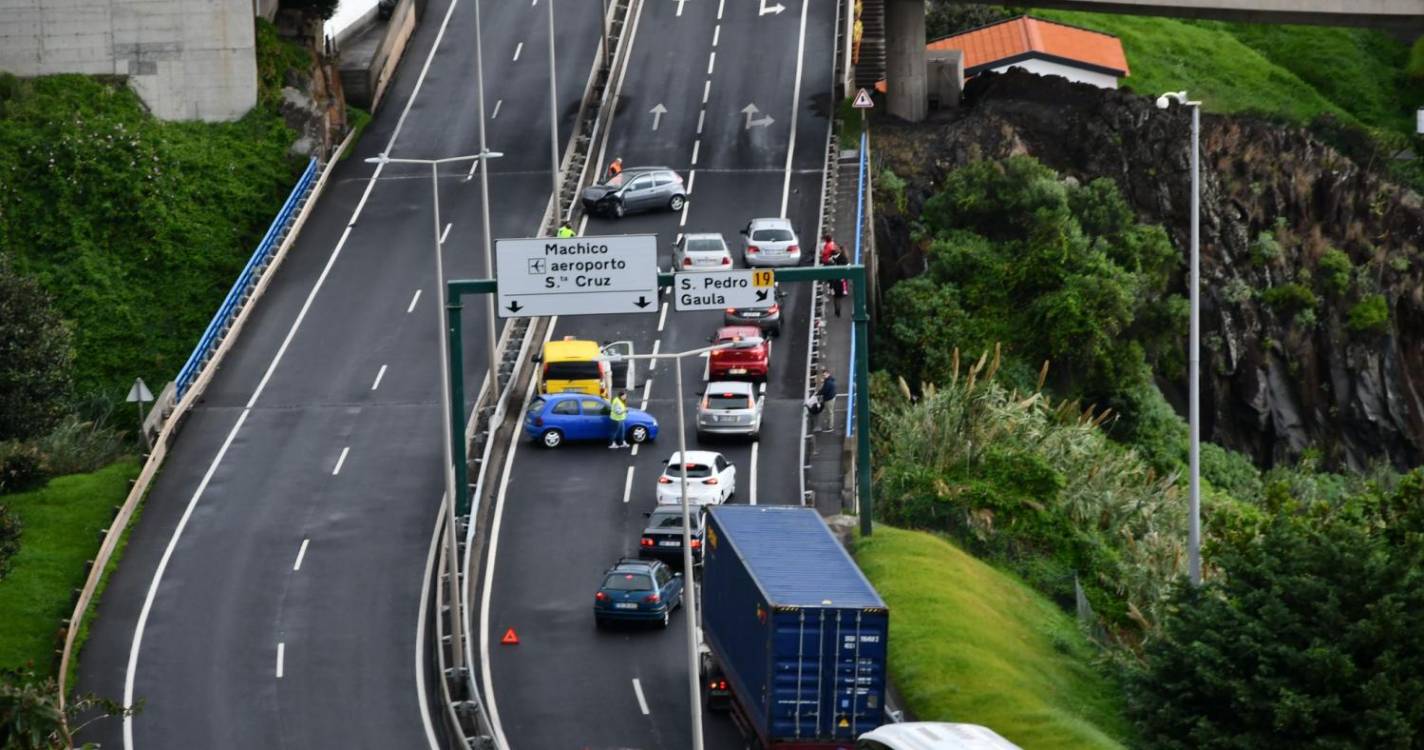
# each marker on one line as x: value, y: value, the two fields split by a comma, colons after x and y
x: 775, y: 308
x: 664, y: 480
x: 646, y: 541
x: 538, y: 421
x: 794, y: 250
x: 753, y: 249
x: 710, y: 480
x: 600, y: 596
x: 726, y: 260
x: 652, y: 598
x: 697, y: 544
x: 731, y: 311
x: 686, y: 262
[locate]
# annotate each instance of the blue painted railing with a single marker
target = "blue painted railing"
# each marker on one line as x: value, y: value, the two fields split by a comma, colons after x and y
x: 269, y: 244
x: 860, y: 185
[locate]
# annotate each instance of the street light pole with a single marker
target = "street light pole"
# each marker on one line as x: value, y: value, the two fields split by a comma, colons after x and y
x: 553, y: 113
x: 1193, y: 344
x: 484, y: 207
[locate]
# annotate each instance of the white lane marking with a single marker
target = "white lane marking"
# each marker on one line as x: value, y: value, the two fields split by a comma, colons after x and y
x: 696, y: 146
x: 517, y: 49
x: 421, y: 657
x: 281, y: 656
x: 414, y: 299
x: 706, y: 369
x: 647, y: 391
x: 132, y: 670
x: 446, y: 233
x: 662, y: 320
x: 638, y: 690
x: 751, y: 495
x: 682, y: 222
x: 636, y: 446
x: 795, y: 109
x: 628, y: 484
x: 536, y: 2
x: 716, y: 34
x: 341, y: 461
x: 474, y: 164
x: 496, y: 108
x: 711, y: 62
x: 720, y: 4
x: 706, y: 90
x: 380, y: 374
x: 691, y: 178
x: 701, y: 116
x: 301, y: 555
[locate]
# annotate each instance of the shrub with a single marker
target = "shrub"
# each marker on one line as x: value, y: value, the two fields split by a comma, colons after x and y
x: 894, y: 185
x: 35, y: 356
x: 76, y: 446
x: 22, y: 466
x: 9, y: 538
x: 1334, y: 268
x: 1370, y: 315
x: 1265, y: 249
x: 1289, y: 298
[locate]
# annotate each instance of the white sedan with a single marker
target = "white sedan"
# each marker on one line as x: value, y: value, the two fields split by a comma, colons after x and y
x: 711, y: 479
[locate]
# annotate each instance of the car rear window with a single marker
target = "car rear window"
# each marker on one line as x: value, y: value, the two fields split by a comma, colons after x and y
x: 536, y: 406
x: 727, y: 401
x: 627, y: 582
x: 572, y: 371
x: 705, y: 246
x: 668, y: 521
x: 772, y: 235
x: 694, y: 471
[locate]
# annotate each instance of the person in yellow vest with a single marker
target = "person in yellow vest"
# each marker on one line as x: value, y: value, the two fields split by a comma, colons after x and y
x: 618, y: 412
x: 565, y: 231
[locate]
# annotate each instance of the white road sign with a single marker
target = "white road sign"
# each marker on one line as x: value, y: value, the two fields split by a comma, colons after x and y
x: 862, y: 100
x: 716, y: 290
x: 577, y: 276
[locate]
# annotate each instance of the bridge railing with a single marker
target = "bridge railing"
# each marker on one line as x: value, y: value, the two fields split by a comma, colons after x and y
x: 862, y: 186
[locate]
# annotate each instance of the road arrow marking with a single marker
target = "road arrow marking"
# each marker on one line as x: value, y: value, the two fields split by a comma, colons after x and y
x: 679, y: 7
x: 515, y: 307
x: 642, y: 302
x: 657, y: 112
x: 751, y: 111
x: 765, y: 9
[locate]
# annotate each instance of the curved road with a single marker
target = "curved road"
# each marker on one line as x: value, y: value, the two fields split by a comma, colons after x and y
x: 270, y: 593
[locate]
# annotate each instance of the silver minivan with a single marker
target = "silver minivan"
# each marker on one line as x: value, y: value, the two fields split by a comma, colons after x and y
x: 729, y: 408
x: 770, y: 242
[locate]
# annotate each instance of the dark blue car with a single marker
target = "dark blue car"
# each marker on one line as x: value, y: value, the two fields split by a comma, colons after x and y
x: 556, y: 417
x: 637, y: 590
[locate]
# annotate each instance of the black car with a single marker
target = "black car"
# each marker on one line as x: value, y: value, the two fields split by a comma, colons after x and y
x: 766, y: 318
x: 662, y: 538
x: 636, y: 189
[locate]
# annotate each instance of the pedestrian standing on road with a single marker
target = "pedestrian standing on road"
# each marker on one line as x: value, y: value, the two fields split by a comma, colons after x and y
x: 839, y: 287
x: 618, y: 412
x: 615, y: 168
x: 826, y: 394
x: 566, y: 231
x: 828, y: 248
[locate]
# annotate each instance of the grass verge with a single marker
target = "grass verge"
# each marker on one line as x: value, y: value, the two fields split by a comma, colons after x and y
x: 62, y: 521
x: 972, y: 644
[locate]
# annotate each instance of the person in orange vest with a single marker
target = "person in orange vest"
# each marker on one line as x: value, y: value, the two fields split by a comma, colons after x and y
x: 615, y: 168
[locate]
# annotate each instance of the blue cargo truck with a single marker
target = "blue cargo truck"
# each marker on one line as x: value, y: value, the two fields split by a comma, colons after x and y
x: 796, y: 637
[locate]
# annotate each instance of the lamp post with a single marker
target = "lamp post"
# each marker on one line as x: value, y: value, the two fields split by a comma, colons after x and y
x: 689, y: 588
x: 553, y: 113
x: 1193, y: 343
x: 451, y: 413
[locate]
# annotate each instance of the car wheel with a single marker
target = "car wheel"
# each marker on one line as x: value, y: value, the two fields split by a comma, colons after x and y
x: 552, y: 438
x: 677, y: 203
x: 638, y: 434
x: 667, y: 617
x: 618, y: 209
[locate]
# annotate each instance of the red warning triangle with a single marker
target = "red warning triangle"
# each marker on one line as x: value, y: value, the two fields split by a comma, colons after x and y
x: 509, y: 639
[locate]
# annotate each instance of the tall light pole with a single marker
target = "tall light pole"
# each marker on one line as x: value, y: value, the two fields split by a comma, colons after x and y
x: 553, y: 113
x: 484, y: 208
x: 1193, y: 343
x: 694, y: 682
x: 449, y: 412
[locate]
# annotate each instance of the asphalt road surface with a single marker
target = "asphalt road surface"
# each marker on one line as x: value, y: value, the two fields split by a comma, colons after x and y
x: 270, y: 594
x: 566, y: 514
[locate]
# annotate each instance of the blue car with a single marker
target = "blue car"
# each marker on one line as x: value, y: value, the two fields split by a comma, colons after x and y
x: 556, y: 417
x: 637, y: 590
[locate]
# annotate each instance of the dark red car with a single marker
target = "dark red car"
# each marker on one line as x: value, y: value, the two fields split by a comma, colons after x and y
x: 750, y: 361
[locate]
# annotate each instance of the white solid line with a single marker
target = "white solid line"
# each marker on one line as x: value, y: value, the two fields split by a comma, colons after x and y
x: 795, y: 109
x: 701, y: 115
x: 341, y: 460
x: 413, y: 300
x: 446, y: 233
x: 662, y: 320
x: 720, y: 5
x: 628, y: 484
x: 711, y: 62
x: 642, y: 702
x: 379, y: 374
x: 696, y: 146
x: 751, y: 496
x: 706, y: 89
x: 496, y: 110
x: 716, y: 34
x: 517, y: 49
x: 301, y: 555
x: 421, y: 657
x: 281, y: 656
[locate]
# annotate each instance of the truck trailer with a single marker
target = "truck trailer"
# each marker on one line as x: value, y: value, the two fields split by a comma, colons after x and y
x: 795, y: 635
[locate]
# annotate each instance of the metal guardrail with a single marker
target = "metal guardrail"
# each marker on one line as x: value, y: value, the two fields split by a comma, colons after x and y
x: 860, y: 199
x: 238, y: 295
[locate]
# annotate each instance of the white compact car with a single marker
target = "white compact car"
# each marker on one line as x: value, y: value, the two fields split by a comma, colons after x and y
x: 711, y: 479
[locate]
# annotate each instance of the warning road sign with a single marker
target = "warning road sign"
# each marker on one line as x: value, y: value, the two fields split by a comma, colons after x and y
x: 862, y: 100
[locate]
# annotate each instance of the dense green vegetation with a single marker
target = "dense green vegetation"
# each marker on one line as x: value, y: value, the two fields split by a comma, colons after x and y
x: 35, y: 361
x: 61, y: 525
x: 136, y: 227
x: 973, y: 644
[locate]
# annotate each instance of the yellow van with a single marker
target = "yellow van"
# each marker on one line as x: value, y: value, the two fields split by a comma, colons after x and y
x: 574, y: 365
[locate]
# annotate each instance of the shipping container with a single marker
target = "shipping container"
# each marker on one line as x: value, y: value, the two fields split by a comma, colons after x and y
x: 795, y: 632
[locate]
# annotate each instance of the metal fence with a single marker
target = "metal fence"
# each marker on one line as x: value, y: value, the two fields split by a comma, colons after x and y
x: 237, y: 296
x: 861, y: 184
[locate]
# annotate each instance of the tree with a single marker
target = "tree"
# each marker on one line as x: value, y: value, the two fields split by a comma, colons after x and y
x: 35, y: 357
x: 30, y: 716
x: 1313, y: 637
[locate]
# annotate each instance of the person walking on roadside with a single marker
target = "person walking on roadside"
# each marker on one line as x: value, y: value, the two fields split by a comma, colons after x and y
x: 828, y: 248
x: 618, y: 412
x: 615, y: 168
x: 566, y: 231
x: 839, y: 287
x: 826, y: 394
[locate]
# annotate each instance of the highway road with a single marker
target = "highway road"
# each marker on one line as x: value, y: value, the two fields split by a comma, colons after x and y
x: 565, y: 515
x: 271, y: 592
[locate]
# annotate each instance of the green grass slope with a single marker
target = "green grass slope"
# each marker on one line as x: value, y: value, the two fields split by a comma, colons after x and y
x: 971, y: 644
x: 61, y: 521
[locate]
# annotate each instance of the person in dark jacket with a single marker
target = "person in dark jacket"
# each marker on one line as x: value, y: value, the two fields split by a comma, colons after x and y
x: 826, y: 395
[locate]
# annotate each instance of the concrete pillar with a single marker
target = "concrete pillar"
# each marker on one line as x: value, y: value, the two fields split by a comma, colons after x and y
x: 905, y: 77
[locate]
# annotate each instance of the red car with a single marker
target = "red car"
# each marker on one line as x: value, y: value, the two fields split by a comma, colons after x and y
x: 749, y: 362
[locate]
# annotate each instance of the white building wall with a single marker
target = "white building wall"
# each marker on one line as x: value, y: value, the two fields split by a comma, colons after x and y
x: 187, y: 59
x: 1079, y: 75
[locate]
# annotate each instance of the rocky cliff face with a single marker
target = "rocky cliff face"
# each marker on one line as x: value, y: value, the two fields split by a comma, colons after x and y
x: 1296, y: 352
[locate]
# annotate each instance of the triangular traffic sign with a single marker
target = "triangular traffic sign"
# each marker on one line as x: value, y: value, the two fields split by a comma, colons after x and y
x: 862, y: 100
x: 139, y: 392
x: 509, y: 639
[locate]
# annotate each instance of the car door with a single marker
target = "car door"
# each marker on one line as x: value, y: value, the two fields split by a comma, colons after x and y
x: 668, y: 585
x: 640, y: 195
x: 622, y: 368
x: 596, y: 422
x: 565, y: 416
x: 726, y: 476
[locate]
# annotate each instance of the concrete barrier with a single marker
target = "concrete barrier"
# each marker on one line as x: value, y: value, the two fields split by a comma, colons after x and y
x: 372, y: 51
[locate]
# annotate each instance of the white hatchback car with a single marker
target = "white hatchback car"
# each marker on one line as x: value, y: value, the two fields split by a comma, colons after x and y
x: 701, y: 252
x: 711, y: 479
